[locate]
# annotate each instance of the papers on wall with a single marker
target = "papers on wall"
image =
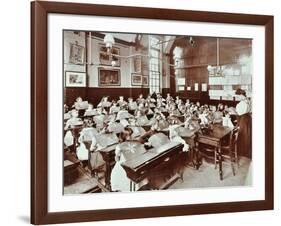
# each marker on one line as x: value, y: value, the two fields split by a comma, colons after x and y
x: 181, y: 81
x: 181, y: 88
x: 195, y: 86
x: 188, y: 88
x: 204, y: 87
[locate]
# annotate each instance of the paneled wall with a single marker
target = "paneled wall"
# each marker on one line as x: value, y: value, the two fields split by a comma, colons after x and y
x: 93, y: 93
x: 203, y: 53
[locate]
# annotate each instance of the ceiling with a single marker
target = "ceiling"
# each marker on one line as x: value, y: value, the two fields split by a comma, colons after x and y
x: 124, y: 36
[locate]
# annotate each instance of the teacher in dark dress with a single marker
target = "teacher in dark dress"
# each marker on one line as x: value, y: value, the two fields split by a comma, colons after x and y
x: 244, y: 120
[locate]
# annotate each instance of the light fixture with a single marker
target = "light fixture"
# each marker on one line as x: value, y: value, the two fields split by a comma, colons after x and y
x: 113, y: 63
x: 109, y: 41
x: 191, y: 42
x: 218, y: 69
x: 177, y: 55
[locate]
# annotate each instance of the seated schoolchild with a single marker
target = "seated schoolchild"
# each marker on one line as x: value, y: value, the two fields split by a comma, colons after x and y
x: 74, y: 120
x: 132, y: 105
x: 172, y: 120
x: 142, y: 108
x: 121, y: 102
x: 80, y: 104
x: 114, y: 108
x: 188, y: 122
x: 99, y: 121
x: 90, y: 111
x: 137, y: 131
x: 203, y: 116
x: 187, y: 103
x: 174, y: 111
x: 67, y: 115
x: 124, y: 151
x: 174, y: 136
x: 217, y: 116
x: 226, y: 121
x: 157, y: 140
x: 140, y: 99
x: 169, y: 97
x: 85, y: 140
x: 115, y: 126
x: 177, y: 100
x: 88, y: 122
x: 123, y: 114
x: 159, y: 122
x: 181, y: 106
x: 150, y: 99
x: 104, y: 103
x: 141, y: 119
x: 89, y: 154
x: 65, y: 108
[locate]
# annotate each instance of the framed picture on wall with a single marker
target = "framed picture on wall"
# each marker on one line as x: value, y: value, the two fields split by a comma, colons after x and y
x: 109, y: 57
x: 136, y: 79
x: 75, y: 79
x: 81, y: 172
x: 137, y: 63
x: 145, y: 80
x: 109, y: 77
x: 77, y: 54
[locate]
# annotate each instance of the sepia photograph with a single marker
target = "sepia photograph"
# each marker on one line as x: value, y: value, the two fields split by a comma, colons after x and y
x: 146, y: 112
x: 185, y: 125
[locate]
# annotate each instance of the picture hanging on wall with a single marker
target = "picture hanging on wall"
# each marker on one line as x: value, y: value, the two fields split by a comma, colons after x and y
x: 75, y: 79
x: 109, y: 77
x: 109, y: 57
x: 136, y: 79
x: 77, y: 54
x: 145, y: 80
x: 137, y: 64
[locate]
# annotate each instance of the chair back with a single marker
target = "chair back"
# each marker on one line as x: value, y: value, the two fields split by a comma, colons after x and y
x: 234, y: 136
x: 232, y: 140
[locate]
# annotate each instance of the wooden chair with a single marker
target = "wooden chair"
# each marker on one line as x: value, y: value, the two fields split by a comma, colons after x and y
x: 229, y: 150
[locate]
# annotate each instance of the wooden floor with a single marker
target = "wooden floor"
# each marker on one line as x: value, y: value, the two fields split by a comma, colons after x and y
x: 206, y: 176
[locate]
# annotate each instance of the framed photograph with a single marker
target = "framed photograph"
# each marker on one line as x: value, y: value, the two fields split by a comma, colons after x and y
x: 136, y: 79
x: 85, y: 164
x: 109, y: 77
x: 137, y: 64
x: 77, y: 54
x: 145, y: 80
x: 75, y: 79
x: 107, y: 59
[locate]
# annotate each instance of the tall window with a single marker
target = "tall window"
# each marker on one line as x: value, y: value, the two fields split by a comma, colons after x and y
x: 154, y: 65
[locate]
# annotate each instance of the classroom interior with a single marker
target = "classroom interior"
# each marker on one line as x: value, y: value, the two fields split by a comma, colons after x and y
x: 145, y: 112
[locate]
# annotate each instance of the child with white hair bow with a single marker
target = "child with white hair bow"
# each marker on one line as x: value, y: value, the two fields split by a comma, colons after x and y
x: 174, y: 136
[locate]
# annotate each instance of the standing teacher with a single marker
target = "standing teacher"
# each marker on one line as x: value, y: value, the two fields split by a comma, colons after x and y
x: 244, y: 120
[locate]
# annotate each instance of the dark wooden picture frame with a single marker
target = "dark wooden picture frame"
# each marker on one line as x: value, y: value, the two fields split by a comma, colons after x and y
x: 39, y: 112
x: 109, y: 77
